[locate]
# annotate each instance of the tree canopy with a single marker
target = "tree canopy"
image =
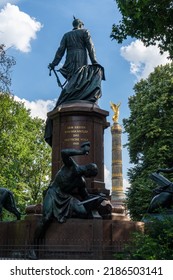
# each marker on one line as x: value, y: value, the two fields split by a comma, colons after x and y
x: 6, y: 63
x: 151, y: 21
x: 150, y: 135
x: 24, y: 155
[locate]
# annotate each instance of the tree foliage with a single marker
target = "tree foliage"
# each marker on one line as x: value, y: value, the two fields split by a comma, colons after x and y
x: 147, y: 20
x: 24, y: 155
x: 156, y: 243
x: 6, y: 62
x: 150, y: 135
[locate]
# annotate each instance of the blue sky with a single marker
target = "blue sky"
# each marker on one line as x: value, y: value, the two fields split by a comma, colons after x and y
x: 32, y: 30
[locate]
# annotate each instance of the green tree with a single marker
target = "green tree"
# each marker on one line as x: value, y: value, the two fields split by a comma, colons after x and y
x: 24, y: 155
x: 155, y: 243
x: 147, y: 20
x: 150, y: 135
x: 6, y: 62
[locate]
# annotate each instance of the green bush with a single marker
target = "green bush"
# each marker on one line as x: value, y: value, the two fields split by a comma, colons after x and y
x: 156, y: 243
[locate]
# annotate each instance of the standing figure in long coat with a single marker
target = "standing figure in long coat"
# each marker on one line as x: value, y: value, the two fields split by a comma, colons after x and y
x: 76, y: 43
x: 83, y: 79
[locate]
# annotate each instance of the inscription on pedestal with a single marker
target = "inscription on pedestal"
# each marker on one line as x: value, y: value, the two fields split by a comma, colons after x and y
x: 75, y: 134
x: 73, y: 124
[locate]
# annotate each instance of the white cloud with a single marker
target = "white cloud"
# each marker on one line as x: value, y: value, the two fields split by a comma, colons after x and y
x: 108, y: 181
x: 126, y: 185
x: 143, y: 59
x: 39, y: 108
x: 17, y: 28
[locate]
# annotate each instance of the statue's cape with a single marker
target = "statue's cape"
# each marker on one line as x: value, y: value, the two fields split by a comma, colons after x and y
x: 84, y: 85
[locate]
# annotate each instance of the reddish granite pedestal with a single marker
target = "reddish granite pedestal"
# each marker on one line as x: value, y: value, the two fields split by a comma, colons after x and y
x: 75, y: 239
x: 74, y: 123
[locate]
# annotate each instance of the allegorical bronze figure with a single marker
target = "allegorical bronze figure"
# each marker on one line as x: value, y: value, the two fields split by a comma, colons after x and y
x: 7, y: 202
x: 163, y: 195
x: 60, y: 201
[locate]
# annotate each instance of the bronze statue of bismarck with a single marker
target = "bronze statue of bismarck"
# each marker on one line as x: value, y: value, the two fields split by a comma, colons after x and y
x: 83, y: 80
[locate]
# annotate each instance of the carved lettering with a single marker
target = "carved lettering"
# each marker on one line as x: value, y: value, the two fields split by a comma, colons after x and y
x: 76, y: 134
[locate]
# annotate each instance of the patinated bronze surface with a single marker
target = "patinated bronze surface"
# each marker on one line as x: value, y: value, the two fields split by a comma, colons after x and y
x: 76, y: 44
x: 59, y: 201
x: 7, y: 201
x: 163, y: 195
x: 83, y: 80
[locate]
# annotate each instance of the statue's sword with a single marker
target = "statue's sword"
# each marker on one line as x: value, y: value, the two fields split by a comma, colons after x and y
x: 90, y: 200
x: 57, y: 78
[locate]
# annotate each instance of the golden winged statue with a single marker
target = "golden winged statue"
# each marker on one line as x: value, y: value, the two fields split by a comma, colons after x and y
x: 115, y: 108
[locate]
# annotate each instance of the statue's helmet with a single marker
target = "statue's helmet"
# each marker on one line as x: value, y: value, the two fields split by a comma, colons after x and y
x: 76, y: 22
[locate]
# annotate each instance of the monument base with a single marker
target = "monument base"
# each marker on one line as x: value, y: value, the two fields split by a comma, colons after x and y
x: 76, y: 239
x: 74, y: 123
x: 118, y: 205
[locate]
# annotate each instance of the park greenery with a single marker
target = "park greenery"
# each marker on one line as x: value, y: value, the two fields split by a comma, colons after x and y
x: 151, y: 21
x: 149, y: 126
x: 25, y: 158
x: 156, y: 243
x: 24, y: 155
x: 6, y: 63
x: 150, y: 134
